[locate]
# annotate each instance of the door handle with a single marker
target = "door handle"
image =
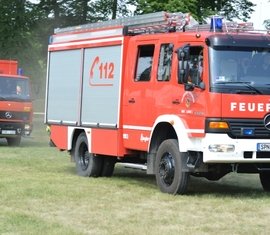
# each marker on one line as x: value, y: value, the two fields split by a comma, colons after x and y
x: 176, y: 101
x: 131, y: 101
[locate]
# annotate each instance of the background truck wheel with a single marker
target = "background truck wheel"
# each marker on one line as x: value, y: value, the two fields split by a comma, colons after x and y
x: 14, y: 141
x: 108, y: 166
x: 265, y: 180
x: 168, y: 168
x: 86, y: 163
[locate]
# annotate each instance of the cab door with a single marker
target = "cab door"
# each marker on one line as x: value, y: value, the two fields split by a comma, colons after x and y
x: 193, y: 100
x: 138, y: 94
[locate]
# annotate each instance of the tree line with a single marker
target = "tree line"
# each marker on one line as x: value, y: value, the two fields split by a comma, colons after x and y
x: 25, y: 26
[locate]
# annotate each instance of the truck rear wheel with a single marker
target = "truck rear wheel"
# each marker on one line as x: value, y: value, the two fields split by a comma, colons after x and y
x: 168, y: 168
x: 108, y: 166
x: 14, y: 141
x: 265, y: 180
x: 86, y: 163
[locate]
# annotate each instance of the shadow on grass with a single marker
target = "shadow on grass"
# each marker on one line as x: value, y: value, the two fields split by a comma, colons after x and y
x: 28, y: 142
x: 126, y: 175
x: 230, y: 186
x: 135, y: 177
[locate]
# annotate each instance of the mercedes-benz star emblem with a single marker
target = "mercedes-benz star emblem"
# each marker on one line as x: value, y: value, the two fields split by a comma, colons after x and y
x: 267, y: 122
x: 8, y: 115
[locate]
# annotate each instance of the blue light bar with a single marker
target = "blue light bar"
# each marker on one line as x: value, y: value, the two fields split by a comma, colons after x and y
x: 216, y: 24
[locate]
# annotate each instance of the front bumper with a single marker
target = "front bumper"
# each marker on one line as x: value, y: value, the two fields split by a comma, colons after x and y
x: 10, y: 129
x: 220, y: 148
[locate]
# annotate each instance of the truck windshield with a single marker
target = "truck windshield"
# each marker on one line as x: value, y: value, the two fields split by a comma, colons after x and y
x: 240, y: 70
x: 14, y: 89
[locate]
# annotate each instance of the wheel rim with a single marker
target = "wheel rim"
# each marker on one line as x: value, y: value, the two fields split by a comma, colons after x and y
x: 166, y: 169
x: 84, y: 156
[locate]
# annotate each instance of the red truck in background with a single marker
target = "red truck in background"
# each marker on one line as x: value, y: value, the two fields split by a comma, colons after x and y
x: 16, y: 110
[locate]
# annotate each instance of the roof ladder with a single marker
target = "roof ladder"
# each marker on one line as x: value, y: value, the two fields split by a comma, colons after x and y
x: 152, y: 22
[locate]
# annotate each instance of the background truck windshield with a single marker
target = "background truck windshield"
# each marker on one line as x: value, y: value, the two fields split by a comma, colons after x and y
x: 14, y: 89
x: 245, y: 69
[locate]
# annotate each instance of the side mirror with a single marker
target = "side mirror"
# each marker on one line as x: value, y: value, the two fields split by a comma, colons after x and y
x: 191, y: 86
x: 183, y: 55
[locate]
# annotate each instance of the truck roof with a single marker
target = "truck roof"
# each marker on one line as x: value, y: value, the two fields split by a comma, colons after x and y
x: 155, y: 23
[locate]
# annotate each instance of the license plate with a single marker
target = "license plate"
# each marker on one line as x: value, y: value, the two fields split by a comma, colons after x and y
x: 8, y: 132
x: 263, y: 147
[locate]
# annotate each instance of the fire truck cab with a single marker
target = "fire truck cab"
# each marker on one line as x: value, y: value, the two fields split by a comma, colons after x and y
x: 162, y: 93
x: 15, y: 103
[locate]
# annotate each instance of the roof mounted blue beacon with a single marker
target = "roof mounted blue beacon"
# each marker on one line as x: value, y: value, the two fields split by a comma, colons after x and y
x: 20, y: 71
x: 216, y: 24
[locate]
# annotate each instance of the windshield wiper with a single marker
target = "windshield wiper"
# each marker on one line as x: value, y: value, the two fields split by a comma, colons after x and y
x: 247, y: 84
x: 2, y: 98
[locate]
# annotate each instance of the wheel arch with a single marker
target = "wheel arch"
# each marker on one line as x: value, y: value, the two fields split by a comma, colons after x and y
x: 166, y: 127
x: 162, y: 131
x: 73, y: 134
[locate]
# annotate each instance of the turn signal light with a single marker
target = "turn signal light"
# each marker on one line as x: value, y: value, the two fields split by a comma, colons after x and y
x: 27, y: 109
x: 218, y: 125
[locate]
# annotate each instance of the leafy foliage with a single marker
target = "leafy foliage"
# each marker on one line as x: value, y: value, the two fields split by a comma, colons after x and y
x: 267, y: 24
x: 200, y: 9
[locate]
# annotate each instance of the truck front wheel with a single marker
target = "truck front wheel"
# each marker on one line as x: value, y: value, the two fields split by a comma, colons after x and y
x: 265, y: 180
x: 170, y: 176
x: 86, y: 163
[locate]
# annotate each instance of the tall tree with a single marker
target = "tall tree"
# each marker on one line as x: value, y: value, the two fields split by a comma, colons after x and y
x: 14, y: 27
x: 200, y: 9
x: 16, y: 41
x: 111, y: 9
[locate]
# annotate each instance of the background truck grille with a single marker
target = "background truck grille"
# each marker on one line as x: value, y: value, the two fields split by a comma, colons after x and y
x: 11, y: 115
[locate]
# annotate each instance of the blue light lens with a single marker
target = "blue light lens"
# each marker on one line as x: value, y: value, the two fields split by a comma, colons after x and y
x: 248, y: 131
x: 20, y: 71
x: 216, y: 24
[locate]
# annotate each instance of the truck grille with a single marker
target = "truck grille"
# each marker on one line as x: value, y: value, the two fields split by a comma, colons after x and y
x: 11, y: 115
x: 237, y: 126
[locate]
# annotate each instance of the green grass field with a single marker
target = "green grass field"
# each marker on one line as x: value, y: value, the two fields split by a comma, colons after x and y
x: 41, y: 194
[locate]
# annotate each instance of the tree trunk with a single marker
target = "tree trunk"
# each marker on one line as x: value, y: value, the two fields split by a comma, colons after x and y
x: 114, y: 9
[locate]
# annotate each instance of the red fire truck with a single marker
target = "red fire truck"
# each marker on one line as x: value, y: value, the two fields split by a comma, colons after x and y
x: 15, y: 103
x: 162, y: 93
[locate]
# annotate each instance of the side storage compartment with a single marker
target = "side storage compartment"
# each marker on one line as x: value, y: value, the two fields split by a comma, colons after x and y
x: 83, y: 91
x: 63, y: 87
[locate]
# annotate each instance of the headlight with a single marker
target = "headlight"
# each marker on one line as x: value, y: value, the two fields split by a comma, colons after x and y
x: 225, y: 148
x: 27, y: 127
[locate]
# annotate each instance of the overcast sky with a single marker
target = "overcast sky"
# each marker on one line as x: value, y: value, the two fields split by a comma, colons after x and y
x: 261, y: 13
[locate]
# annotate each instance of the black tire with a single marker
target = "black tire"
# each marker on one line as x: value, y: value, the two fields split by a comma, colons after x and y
x: 87, y: 164
x: 265, y: 180
x: 168, y: 168
x: 16, y: 141
x: 108, y: 166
